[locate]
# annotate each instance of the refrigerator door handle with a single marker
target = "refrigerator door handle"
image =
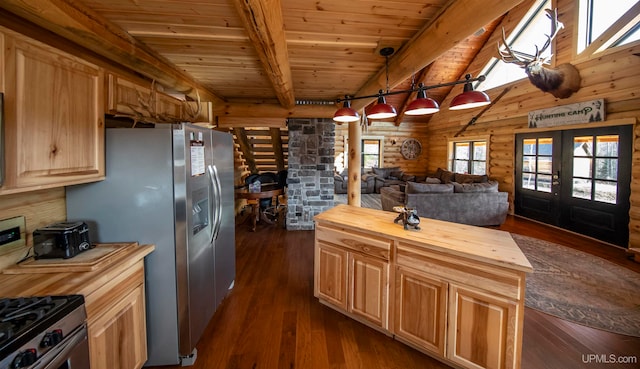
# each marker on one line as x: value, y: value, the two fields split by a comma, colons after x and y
x: 217, y: 190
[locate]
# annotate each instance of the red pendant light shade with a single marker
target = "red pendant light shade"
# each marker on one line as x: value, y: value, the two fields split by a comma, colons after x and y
x: 382, y: 110
x: 422, y: 105
x: 346, y: 114
x: 469, y: 99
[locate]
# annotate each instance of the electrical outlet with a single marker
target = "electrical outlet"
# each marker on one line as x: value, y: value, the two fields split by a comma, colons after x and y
x: 13, y: 234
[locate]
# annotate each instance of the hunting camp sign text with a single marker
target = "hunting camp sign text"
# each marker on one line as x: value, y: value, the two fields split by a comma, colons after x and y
x: 582, y: 112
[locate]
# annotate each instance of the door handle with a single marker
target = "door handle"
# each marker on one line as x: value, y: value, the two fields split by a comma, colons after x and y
x: 556, y: 179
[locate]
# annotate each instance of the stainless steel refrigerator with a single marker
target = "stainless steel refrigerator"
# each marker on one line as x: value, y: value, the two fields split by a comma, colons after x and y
x: 171, y: 186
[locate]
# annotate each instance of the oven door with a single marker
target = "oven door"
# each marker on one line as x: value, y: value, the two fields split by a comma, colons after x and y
x: 71, y: 353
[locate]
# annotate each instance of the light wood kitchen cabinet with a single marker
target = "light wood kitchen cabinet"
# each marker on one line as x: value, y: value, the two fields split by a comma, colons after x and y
x: 54, y: 117
x: 472, y: 312
x: 368, y: 288
x: 331, y: 285
x: 457, y: 292
x: 421, y: 310
x: 116, y: 339
x: 353, y: 274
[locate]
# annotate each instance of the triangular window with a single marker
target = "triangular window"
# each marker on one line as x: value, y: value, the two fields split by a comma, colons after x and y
x: 531, y: 31
x: 604, y: 24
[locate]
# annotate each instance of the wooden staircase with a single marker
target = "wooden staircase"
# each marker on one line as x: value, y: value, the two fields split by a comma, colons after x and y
x: 262, y: 149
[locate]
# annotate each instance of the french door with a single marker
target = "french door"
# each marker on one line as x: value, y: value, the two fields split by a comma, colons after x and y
x: 576, y: 179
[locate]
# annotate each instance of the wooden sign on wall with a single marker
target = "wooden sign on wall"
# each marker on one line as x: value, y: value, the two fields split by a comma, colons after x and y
x: 582, y: 112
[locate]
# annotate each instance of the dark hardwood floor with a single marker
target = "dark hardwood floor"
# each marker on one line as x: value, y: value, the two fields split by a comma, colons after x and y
x: 272, y: 320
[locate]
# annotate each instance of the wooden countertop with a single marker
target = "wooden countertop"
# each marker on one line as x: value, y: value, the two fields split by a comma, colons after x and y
x: 65, y: 283
x: 481, y: 244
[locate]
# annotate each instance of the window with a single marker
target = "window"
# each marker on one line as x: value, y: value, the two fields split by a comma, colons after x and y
x: 469, y: 157
x: 529, y: 32
x: 617, y: 21
x: 371, y: 150
x: 537, y: 164
x: 595, y: 172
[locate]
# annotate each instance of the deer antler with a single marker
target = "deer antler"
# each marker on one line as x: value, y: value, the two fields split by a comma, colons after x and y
x: 191, y: 112
x: 509, y: 56
x: 556, y: 26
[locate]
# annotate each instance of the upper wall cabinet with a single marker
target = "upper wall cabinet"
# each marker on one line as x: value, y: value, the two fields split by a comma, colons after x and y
x: 53, y: 117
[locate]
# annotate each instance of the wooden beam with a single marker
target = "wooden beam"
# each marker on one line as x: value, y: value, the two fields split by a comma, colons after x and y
x: 276, y: 142
x: 354, y: 191
x: 263, y: 21
x: 245, y: 148
x: 454, y: 24
x: 81, y: 25
x: 232, y: 122
x: 257, y: 110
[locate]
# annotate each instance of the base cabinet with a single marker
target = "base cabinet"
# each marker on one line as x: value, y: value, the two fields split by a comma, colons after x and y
x: 352, y: 278
x: 481, y: 329
x: 331, y: 272
x: 116, y: 339
x: 421, y: 310
x: 368, y: 286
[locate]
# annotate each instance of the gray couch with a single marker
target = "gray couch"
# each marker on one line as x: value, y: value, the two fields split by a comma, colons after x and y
x: 341, y: 182
x: 385, y: 177
x: 477, y: 204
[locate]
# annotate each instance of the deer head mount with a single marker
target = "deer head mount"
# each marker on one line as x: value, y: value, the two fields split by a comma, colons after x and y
x: 561, y: 81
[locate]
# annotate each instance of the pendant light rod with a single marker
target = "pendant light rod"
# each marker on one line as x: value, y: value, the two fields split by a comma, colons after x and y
x: 420, y: 87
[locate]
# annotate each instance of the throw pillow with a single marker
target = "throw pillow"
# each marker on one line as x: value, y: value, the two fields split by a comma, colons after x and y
x: 432, y: 180
x: 470, y: 178
x: 413, y: 187
x: 384, y: 172
x: 491, y: 186
x: 445, y: 175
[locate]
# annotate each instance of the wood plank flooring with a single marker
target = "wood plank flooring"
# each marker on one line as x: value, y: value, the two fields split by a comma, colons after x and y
x: 271, y: 319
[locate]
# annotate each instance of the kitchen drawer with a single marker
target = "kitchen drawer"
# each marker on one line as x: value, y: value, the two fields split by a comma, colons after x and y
x: 365, y: 244
x: 485, y: 277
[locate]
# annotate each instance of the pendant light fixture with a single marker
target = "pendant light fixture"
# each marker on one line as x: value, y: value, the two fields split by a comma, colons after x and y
x: 346, y: 114
x: 422, y: 105
x: 469, y: 98
x: 382, y: 110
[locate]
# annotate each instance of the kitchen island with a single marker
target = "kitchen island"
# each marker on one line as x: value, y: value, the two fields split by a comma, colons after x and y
x: 453, y: 291
x: 113, y: 291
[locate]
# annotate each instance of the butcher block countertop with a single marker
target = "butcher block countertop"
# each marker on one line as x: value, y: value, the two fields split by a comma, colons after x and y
x: 486, y: 245
x: 39, y: 279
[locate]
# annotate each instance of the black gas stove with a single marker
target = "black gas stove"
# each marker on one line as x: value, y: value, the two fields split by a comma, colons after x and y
x: 37, y: 331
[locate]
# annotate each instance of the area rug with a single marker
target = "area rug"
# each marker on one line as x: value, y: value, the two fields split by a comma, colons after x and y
x: 581, y: 288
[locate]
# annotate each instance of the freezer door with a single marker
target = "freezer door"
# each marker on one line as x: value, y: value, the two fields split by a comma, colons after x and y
x: 195, y: 211
x: 225, y: 244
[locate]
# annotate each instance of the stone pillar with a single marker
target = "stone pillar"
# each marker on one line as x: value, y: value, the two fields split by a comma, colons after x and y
x: 310, y: 171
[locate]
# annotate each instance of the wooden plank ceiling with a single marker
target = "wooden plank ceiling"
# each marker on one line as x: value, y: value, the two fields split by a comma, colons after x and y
x: 257, y: 59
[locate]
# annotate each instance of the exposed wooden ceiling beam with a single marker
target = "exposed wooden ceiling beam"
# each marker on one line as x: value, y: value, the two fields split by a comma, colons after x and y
x: 263, y: 21
x: 76, y: 22
x: 230, y: 122
x: 229, y: 110
x: 245, y: 147
x: 276, y: 142
x: 454, y: 24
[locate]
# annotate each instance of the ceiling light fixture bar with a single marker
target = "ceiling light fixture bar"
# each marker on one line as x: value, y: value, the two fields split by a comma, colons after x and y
x: 466, y: 100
